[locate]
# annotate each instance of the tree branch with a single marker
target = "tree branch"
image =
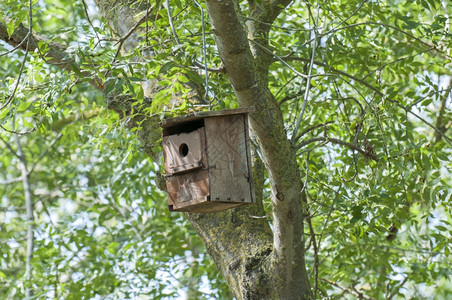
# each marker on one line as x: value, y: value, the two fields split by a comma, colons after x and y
x: 348, y: 290
x: 442, y: 110
x: 315, y: 270
x: 199, y: 66
x: 30, y: 218
x: 367, y: 154
x: 85, y: 8
x: 43, y: 153
x: 308, y: 86
x: 268, y: 51
x: 276, y: 7
x: 261, y: 15
x: 16, y: 132
x: 86, y: 115
x: 10, y: 148
x: 312, y: 128
x: 132, y: 30
x: 393, y: 62
x: 56, y: 53
x: 27, y: 38
x: 55, y: 56
x: 10, y: 181
x: 396, y: 289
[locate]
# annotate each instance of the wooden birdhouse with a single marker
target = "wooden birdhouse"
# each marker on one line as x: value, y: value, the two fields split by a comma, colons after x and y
x: 207, y: 161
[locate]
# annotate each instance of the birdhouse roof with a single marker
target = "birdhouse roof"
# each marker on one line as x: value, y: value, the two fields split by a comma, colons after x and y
x: 198, y: 115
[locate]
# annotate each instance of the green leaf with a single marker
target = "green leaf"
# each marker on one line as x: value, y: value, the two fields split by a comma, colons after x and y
x: 76, y: 69
x: 442, y: 156
x: 23, y: 106
x: 10, y: 27
x: 195, y: 77
x: 441, y: 228
x: 112, y: 247
x: 4, y: 112
x: 166, y: 67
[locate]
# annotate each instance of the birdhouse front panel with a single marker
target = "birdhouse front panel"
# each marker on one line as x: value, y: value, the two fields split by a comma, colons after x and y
x: 184, y: 151
x: 207, y: 161
x: 186, y: 168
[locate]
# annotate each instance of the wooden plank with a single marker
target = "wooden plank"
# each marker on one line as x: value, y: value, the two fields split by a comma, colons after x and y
x: 227, y: 157
x: 183, y: 152
x: 249, y: 160
x: 187, y: 189
x: 208, y: 207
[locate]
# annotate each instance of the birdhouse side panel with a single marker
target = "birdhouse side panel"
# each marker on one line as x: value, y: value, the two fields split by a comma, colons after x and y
x: 227, y: 155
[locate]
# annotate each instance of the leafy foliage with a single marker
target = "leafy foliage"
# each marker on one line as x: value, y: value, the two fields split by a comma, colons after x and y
x: 367, y: 119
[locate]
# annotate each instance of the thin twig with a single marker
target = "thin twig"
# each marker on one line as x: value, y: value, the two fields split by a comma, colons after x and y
x: 382, y: 25
x: 395, y: 61
x: 146, y: 30
x: 283, y: 87
x: 290, y: 97
x: 396, y: 289
x: 125, y: 216
x: 15, y: 48
x: 280, y: 27
x: 25, y: 177
x: 427, y: 96
x: 199, y: 66
x: 170, y: 18
x: 57, y: 54
x: 43, y: 153
x: 278, y: 58
x: 306, y: 91
x: 356, y: 293
x: 339, y: 142
x: 21, y: 69
x: 10, y: 148
x: 10, y: 181
x: 85, y: 8
x: 204, y: 54
x: 312, y: 128
x: 305, y: 185
x: 330, y: 211
x: 17, y: 132
x: 354, y: 13
x: 121, y: 41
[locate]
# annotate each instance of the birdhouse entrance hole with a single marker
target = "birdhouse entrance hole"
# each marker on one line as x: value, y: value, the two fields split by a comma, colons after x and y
x: 207, y: 161
x: 183, y: 150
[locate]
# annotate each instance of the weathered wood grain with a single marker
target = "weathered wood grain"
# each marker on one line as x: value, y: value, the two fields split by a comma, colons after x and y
x: 227, y: 159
